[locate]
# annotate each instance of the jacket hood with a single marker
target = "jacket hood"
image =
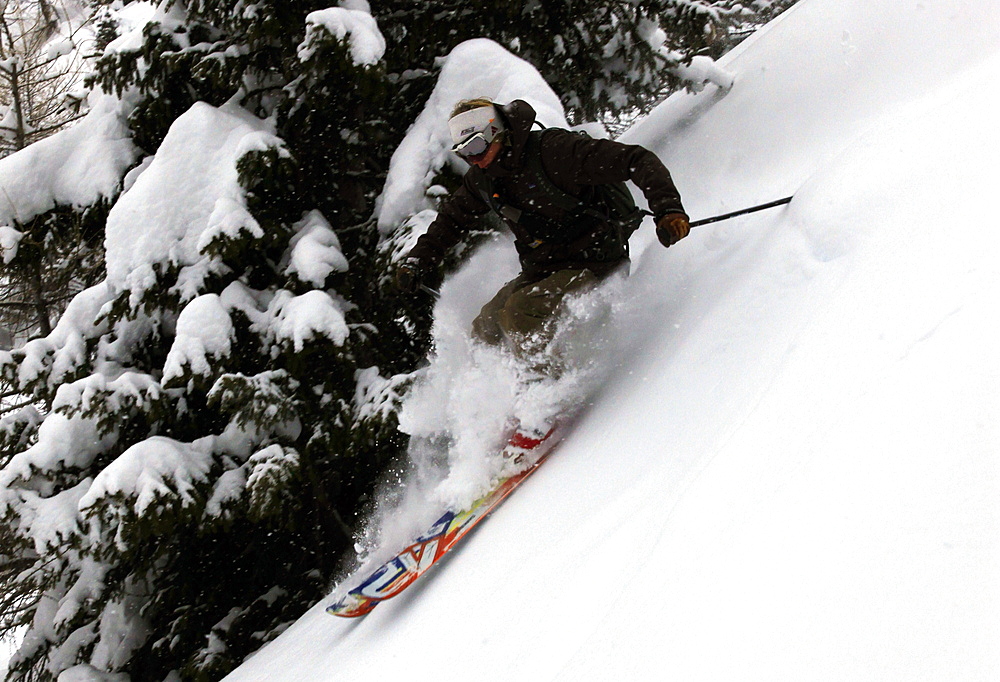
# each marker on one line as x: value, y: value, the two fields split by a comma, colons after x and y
x: 520, y: 118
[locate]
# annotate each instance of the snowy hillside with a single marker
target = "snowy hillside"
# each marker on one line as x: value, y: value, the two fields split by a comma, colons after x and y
x: 790, y: 471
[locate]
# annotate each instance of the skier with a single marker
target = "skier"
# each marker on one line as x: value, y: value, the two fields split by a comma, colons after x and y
x: 562, y: 195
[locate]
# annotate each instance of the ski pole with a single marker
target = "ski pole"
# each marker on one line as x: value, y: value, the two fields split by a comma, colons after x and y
x: 744, y: 211
x: 752, y: 209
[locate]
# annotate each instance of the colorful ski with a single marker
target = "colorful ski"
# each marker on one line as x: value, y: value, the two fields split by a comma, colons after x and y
x: 401, y: 571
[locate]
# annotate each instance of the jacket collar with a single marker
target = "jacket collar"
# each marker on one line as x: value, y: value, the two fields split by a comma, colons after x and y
x: 520, y: 117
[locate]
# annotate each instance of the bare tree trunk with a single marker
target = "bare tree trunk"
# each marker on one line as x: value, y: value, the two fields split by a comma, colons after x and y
x: 41, y: 305
x: 20, y: 141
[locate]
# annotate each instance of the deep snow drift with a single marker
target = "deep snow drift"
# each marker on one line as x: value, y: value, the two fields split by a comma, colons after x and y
x: 790, y: 472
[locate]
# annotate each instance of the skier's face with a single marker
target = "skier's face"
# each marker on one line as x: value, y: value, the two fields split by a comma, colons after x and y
x: 486, y: 158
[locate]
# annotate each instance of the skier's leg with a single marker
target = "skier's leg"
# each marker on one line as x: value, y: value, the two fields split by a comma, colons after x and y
x: 528, y: 317
x: 486, y: 327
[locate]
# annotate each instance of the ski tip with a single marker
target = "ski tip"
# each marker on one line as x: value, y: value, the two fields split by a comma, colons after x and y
x: 351, y: 607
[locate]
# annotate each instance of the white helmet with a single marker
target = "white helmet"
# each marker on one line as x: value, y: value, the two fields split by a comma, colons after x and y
x: 473, y: 131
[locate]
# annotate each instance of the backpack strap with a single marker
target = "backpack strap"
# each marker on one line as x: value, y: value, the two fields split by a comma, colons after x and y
x: 529, y: 228
x: 534, y: 171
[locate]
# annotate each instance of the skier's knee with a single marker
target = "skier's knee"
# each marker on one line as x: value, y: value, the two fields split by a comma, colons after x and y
x: 485, y: 329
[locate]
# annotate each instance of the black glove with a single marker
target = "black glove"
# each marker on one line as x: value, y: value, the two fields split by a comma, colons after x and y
x: 672, y: 228
x: 408, y: 276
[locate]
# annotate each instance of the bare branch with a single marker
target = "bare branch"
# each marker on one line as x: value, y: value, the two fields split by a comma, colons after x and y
x: 57, y: 126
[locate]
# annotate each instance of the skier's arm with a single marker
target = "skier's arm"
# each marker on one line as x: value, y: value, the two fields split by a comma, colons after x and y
x: 578, y: 160
x: 457, y: 214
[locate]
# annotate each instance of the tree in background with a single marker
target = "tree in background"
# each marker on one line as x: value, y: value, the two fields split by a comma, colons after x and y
x: 40, y: 70
x: 604, y: 58
x: 49, y: 260
x: 209, y: 417
x: 763, y: 12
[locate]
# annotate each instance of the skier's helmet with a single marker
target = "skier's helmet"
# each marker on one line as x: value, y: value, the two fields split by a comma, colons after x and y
x: 474, y: 126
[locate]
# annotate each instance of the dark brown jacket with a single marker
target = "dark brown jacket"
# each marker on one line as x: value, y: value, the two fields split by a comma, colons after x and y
x: 574, y: 163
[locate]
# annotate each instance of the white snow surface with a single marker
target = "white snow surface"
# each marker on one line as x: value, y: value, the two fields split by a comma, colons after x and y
x: 788, y: 469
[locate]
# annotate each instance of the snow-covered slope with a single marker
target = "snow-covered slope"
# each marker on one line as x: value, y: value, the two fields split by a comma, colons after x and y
x: 793, y: 474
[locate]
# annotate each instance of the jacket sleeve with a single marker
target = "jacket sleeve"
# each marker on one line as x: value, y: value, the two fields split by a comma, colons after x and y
x: 457, y: 215
x: 574, y: 159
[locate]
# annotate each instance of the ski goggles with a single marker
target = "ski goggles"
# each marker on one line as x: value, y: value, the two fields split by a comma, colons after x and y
x: 473, y: 146
x: 474, y: 131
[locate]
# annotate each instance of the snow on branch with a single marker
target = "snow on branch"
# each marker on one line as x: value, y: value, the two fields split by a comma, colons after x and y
x: 375, y: 397
x: 60, y: 354
x: 475, y: 68
x: 204, y: 333
x: 10, y: 239
x: 153, y: 481
x: 74, y: 167
x: 300, y: 319
x: 271, y: 473
x: 50, y: 522
x: 63, y: 443
x: 315, y: 251
x: 355, y: 26
x: 197, y: 161
x: 701, y: 71
x: 110, y: 401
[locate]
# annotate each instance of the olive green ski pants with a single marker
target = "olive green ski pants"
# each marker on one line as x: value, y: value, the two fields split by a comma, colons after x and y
x: 524, y: 311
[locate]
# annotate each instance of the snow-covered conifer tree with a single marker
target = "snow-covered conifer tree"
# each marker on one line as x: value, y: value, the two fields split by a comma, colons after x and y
x: 200, y: 430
